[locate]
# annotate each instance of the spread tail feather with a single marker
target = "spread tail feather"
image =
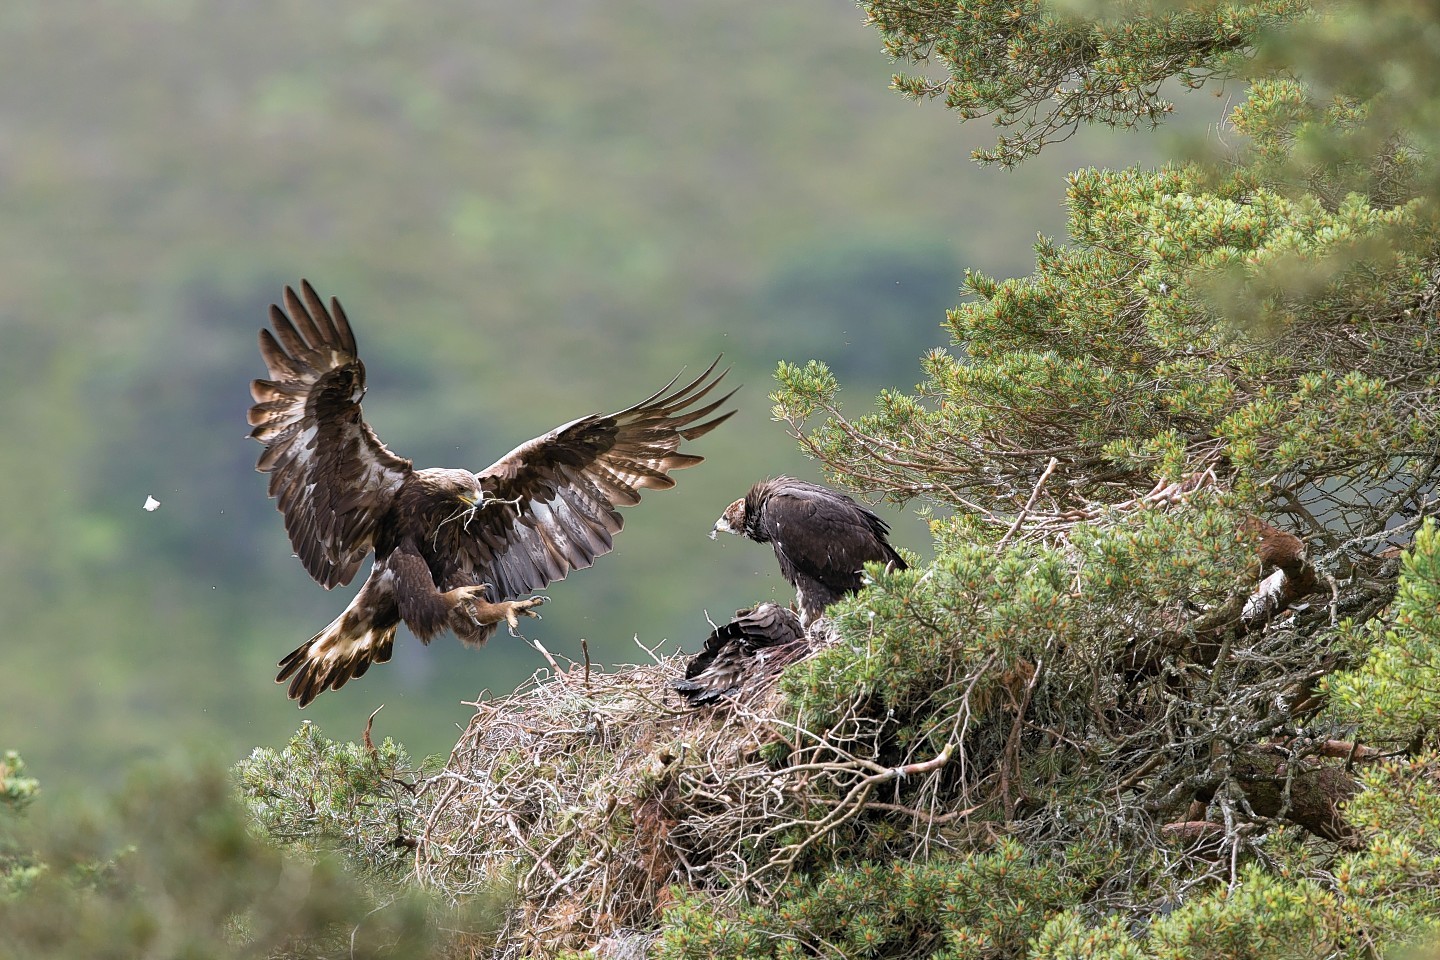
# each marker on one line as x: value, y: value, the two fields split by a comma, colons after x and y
x: 343, y: 650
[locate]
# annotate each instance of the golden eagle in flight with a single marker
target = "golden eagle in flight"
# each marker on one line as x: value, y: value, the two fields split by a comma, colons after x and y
x: 453, y: 549
x: 822, y: 538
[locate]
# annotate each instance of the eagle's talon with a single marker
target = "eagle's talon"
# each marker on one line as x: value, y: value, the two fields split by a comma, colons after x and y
x: 515, y: 609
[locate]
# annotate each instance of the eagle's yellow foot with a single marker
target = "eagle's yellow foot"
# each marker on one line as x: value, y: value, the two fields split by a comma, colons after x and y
x: 515, y: 609
x: 483, y: 612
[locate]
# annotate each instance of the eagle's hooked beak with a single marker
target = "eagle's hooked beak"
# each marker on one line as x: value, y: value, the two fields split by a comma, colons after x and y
x: 731, y: 521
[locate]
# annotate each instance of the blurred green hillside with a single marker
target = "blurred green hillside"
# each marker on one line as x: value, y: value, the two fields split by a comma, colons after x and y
x: 530, y: 211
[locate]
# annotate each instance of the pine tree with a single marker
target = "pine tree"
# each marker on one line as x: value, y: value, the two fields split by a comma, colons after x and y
x: 1175, y: 657
x: 172, y: 866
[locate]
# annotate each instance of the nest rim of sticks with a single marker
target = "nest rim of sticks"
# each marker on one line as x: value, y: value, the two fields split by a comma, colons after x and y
x: 590, y: 796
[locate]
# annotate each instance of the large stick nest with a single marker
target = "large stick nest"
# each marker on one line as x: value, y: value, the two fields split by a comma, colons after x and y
x: 594, y: 794
x: 569, y: 789
x: 590, y: 794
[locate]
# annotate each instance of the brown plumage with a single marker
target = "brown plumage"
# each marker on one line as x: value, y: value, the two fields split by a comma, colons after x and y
x: 744, y: 654
x: 1287, y: 571
x: 453, y: 549
x: 821, y: 538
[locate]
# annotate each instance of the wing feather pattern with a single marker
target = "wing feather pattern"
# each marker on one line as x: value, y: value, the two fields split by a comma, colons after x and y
x: 331, y: 476
x: 745, y: 655
x: 551, y: 502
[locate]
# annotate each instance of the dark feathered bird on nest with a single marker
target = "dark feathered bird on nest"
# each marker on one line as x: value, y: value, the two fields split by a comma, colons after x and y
x: 453, y: 549
x: 744, y: 653
x: 822, y: 538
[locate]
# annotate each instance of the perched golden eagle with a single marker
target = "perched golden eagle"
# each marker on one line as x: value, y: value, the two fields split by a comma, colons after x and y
x: 453, y: 549
x: 822, y: 538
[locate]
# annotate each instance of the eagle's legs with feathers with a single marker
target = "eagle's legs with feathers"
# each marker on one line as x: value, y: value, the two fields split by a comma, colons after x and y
x: 483, y: 612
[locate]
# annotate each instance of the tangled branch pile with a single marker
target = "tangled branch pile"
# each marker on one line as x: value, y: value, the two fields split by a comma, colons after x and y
x: 593, y: 795
x: 1014, y: 749
x: 1100, y: 734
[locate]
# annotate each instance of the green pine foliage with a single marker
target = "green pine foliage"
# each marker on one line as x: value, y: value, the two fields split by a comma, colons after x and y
x: 974, y: 906
x: 321, y: 795
x: 17, y: 788
x: 1390, y: 888
x: 1218, y: 345
x: 1120, y: 358
x: 1373, y: 900
x: 1394, y: 694
x: 1350, y: 102
x: 1041, y: 69
x: 1261, y: 917
x: 18, y: 865
x: 171, y: 867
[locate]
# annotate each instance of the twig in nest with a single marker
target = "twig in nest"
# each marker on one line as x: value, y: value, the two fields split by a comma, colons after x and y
x: 1034, y: 494
x: 650, y: 651
x: 929, y: 818
x: 559, y: 674
x: 845, y: 810
x: 1155, y: 760
x: 370, y: 744
x: 1192, y: 830
x: 1010, y: 763
x: 1349, y: 751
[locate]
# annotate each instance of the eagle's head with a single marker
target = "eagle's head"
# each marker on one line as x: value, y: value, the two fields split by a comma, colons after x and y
x: 456, y: 486
x: 732, y: 520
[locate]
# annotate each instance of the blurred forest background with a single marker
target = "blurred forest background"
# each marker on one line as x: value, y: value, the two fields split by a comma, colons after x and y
x: 531, y: 212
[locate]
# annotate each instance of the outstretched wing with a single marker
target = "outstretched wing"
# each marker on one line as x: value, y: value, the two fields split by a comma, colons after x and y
x: 744, y: 655
x: 549, y: 504
x: 332, y: 475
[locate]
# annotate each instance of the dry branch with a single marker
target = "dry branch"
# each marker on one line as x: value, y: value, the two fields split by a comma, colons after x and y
x: 591, y: 800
